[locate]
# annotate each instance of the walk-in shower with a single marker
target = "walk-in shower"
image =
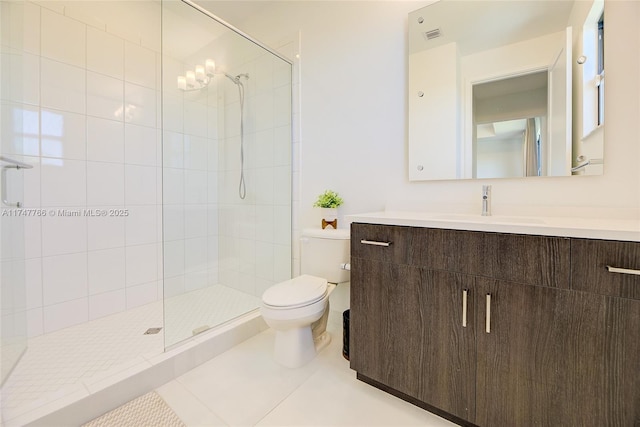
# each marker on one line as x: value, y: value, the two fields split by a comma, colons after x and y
x: 151, y: 214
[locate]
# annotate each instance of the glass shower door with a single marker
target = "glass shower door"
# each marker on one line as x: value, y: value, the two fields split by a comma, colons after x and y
x: 226, y: 103
x: 13, y: 321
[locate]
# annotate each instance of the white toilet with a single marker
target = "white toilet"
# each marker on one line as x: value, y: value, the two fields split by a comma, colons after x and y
x: 298, y: 308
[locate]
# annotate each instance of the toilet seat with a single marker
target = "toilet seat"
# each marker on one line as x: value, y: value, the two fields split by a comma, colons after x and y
x: 295, y: 293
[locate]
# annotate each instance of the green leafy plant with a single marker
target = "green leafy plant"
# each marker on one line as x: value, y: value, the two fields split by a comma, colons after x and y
x: 328, y: 199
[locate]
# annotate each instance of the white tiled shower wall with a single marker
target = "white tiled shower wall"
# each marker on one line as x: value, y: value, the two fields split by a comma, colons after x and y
x: 90, y: 128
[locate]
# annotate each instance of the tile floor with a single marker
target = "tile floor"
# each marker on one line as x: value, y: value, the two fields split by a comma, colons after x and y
x: 245, y: 387
x: 72, y: 359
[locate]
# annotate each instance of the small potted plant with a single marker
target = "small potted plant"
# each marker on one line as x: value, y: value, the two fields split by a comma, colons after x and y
x: 329, y: 202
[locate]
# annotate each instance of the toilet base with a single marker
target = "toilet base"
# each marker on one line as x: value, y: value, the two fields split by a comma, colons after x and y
x: 294, y: 347
x: 322, y: 341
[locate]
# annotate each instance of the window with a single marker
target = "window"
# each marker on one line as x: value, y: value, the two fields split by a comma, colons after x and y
x: 600, y: 76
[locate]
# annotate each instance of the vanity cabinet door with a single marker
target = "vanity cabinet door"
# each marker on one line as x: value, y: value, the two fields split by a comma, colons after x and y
x: 620, y: 396
x: 407, y: 333
x: 540, y: 357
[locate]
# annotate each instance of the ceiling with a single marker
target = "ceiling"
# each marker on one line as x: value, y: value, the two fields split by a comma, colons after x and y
x: 480, y: 25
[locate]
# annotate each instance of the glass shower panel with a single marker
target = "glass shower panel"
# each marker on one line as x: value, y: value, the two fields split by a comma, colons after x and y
x: 13, y: 320
x: 226, y: 105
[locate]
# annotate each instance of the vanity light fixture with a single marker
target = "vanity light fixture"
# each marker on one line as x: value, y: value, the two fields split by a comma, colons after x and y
x: 198, y: 79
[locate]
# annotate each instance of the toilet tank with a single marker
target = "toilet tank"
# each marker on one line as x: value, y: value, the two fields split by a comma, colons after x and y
x: 322, y: 252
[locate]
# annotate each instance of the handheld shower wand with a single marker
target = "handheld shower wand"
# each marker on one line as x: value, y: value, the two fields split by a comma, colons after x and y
x: 242, y: 188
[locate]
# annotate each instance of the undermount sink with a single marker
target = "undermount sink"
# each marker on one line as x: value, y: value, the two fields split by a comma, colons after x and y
x: 497, y: 219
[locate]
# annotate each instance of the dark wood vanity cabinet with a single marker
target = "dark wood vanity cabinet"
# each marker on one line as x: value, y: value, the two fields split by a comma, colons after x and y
x: 490, y: 329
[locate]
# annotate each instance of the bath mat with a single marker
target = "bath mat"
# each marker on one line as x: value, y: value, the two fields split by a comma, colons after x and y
x: 147, y: 410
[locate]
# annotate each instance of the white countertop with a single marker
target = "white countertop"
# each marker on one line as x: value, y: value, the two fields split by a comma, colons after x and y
x: 591, y: 228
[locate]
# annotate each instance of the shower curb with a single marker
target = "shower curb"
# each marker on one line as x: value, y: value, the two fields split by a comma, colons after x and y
x: 161, y: 369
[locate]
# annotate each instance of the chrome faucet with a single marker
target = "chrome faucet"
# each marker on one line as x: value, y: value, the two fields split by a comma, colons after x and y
x: 486, y: 200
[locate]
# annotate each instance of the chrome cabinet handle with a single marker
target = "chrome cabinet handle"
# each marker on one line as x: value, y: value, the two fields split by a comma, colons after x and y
x: 465, y: 293
x: 374, y: 243
x: 487, y: 320
x: 622, y: 270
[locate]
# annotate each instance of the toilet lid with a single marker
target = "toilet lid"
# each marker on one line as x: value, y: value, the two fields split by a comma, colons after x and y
x: 301, y: 291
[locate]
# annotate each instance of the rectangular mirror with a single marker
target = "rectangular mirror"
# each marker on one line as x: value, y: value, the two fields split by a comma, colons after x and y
x: 506, y: 89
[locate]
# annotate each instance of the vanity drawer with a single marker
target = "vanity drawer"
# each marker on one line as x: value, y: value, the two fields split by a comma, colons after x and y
x: 589, y: 271
x: 388, y: 243
x: 532, y: 260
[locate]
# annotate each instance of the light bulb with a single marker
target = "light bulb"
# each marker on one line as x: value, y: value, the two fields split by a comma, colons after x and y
x: 210, y: 67
x: 182, y: 83
x: 199, y: 73
x: 191, y: 78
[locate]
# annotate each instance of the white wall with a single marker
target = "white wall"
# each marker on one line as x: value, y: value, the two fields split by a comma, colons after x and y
x: 353, y: 109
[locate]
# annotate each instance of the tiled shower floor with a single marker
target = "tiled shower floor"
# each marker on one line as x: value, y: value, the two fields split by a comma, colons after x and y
x: 60, y: 362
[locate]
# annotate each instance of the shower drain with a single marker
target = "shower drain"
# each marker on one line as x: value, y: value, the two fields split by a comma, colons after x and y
x: 152, y: 331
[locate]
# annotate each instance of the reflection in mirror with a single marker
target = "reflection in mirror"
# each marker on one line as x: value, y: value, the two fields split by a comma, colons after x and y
x: 482, y: 72
x: 510, y: 119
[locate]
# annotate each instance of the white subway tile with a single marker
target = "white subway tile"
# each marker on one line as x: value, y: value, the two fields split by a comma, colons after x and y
x: 264, y: 260
x: 195, y: 187
x: 173, y: 149
x: 282, y: 185
x: 106, y: 270
x: 64, y: 278
x: 141, y: 225
x: 173, y: 181
x: 140, y: 65
x: 64, y: 234
x: 195, y: 221
x: 33, y: 237
x: 173, y: 286
x: 212, y: 187
x: 140, y: 105
x: 105, y: 140
x: 262, y: 149
x: 30, y: 79
x: 173, y: 222
x: 105, y: 184
x: 105, y: 232
x: 31, y: 28
x: 31, y: 195
x: 195, y: 119
x: 195, y: 152
x: 140, y: 143
x: 140, y: 185
x: 63, y: 182
x: 141, y: 264
x: 63, y: 134
x: 30, y: 130
x: 172, y: 112
x: 282, y: 154
x: 141, y: 294
x: 105, y: 53
x: 33, y: 282
x: 105, y: 96
x: 195, y: 254
x: 62, y: 38
x: 173, y: 258
x: 66, y: 314
x: 62, y: 86
x: 107, y: 303
x: 35, y: 326
x: 196, y: 280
